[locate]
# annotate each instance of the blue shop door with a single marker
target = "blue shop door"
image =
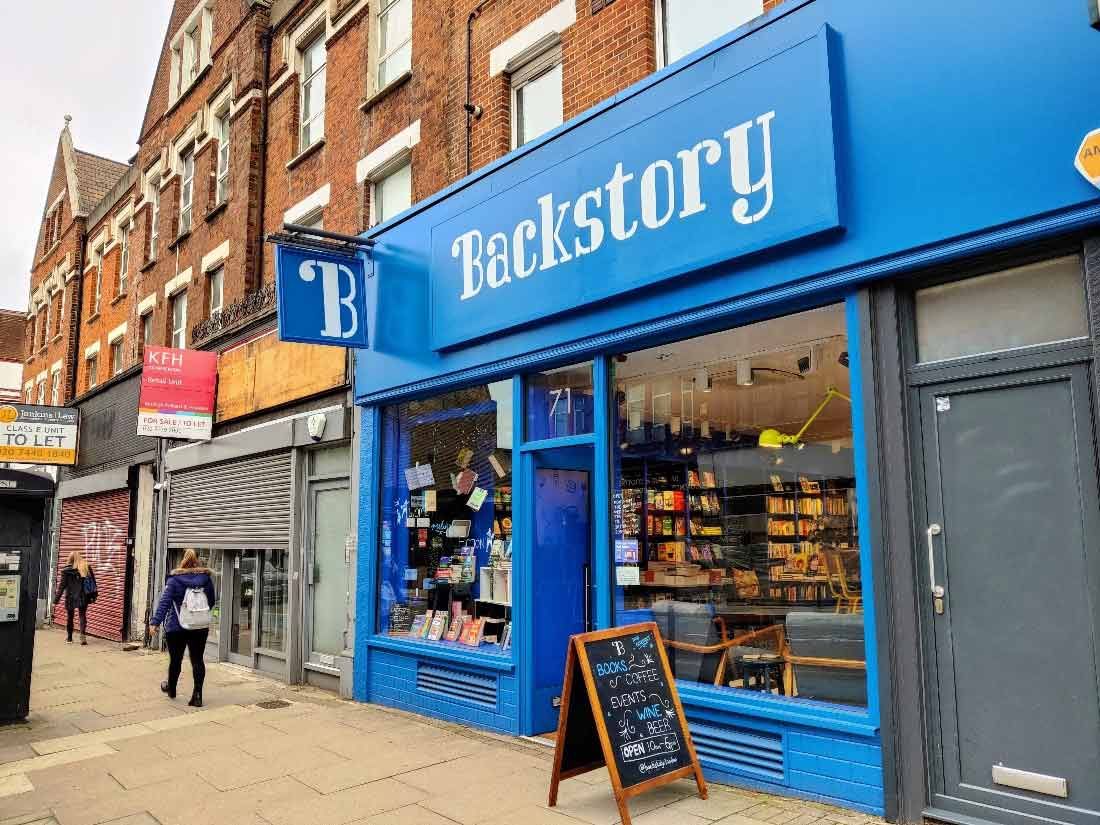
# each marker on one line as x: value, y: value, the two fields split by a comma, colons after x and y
x: 561, y: 567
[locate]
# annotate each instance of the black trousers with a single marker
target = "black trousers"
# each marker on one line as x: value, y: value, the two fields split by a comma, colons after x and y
x: 71, y: 609
x: 194, y: 642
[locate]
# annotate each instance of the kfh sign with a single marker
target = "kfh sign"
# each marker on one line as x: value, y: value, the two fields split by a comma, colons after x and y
x: 743, y: 166
x: 36, y: 434
x: 178, y: 389
x: 321, y: 296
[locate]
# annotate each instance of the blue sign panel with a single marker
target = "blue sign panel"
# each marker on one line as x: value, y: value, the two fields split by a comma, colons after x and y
x: 743, y: 165
x: 321, y: 297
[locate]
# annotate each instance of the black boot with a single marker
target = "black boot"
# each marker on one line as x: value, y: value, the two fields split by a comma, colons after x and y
x: 166, y: 688
x: 196, y: 699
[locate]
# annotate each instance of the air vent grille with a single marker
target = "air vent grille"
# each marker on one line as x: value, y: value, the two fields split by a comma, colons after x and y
x: 458, y: 685
x: 736, y: 750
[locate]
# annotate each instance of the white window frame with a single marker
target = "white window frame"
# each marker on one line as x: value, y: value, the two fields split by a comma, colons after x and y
x: 660, y: 19
x: 190, y: 51
x: 384, y: 10
x: 178, y: 333
x: 40, y: 390
x: 49, y: 320
x: 98, y: 294
x: 221, y: 120
x: 217, y: 271
x: 316, y: 77
x: 154, y: 216
x: 60, y: 313
x: 118, y: 357
x: 525, y: 74
x: 187, y: 190
x: 145, y: 331
x: 91, y: 367
x: 124, y: 229
x: 55, y: 388
x: 378, y: 183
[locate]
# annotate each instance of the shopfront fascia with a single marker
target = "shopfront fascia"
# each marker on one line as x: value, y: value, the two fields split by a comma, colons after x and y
x: 766, y: 182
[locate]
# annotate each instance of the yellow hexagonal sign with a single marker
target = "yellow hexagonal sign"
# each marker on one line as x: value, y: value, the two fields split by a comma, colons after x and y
x: 1088, y: 158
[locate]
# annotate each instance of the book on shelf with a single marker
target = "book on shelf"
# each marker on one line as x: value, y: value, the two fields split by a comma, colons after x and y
x: 416, y: 629
x: 455, y: 628
x: 438, y: 626
x: 472, y: 631
x: 429, y: 617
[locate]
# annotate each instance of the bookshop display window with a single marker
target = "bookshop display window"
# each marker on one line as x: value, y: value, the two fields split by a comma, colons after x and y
x: 445, y: 574
x: 735, y: 507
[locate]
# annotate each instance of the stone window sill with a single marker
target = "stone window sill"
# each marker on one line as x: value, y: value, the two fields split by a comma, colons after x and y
x: 312, y: 149
x: 217, y: 210
x: 91, y: 319
x: 183, y: 236
x: 120, y: 297
x: 386, y: 91
x: 149, y: 264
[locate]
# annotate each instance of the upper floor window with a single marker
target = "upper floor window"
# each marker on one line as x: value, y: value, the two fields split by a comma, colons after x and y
x: 222, y: 131
x: 55, y: 389
x: 146, y: 332
x: 394, y: 40
x: 187, y: 190
x: 36, y: 332
x: 154, y: 216
x: 49, y: 321
x: 216, y: 289
x: 124, y: 255
x: 42, y: 391
x: 51, y: 233
x: 536, y: 97
x: 392, y: 194
x: 116, y: 356
x: 685, y: 25
x: 97, y: 261
x: 190, y: 50
x: 313, y: 91
x: 92, y: 365
x: 179, y: 321
x: 60, y: 312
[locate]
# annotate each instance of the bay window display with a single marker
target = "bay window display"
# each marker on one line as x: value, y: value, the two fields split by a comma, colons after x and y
x: 446, y: 520
x: 735, y: 519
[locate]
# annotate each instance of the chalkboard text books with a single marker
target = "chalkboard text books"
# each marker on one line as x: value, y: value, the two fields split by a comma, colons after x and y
x: 620, y: 709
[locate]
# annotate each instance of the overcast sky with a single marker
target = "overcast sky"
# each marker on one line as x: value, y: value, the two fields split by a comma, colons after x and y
x: 92, y: 59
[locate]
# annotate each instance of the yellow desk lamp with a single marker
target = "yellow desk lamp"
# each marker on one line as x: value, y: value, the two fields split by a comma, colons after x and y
x: 773, y: 439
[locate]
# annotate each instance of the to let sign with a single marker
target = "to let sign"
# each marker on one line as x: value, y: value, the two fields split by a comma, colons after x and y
x: 321, y: 296
x: 36, y: 434
x: 177, y: 393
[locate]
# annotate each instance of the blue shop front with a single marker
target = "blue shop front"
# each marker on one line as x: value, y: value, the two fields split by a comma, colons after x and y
x: 635, y: 370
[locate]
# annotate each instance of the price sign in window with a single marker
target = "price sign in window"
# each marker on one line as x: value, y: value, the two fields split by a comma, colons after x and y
x: 559, y: 402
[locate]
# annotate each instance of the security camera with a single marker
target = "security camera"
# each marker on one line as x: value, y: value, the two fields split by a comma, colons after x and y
x: 472, y: 109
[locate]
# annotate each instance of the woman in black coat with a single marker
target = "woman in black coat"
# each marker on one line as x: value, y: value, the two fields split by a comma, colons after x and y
x: 73, y: 576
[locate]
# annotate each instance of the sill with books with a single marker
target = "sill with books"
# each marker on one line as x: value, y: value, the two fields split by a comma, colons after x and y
x: 457, y: 630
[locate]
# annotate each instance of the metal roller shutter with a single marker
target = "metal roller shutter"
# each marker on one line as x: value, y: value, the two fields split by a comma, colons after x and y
x: 239, y: 505
x: 98, y: 526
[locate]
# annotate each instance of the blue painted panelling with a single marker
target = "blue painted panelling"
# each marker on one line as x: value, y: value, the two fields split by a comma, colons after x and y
x: 393, y: 681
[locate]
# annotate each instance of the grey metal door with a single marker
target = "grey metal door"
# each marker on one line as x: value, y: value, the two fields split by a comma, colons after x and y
x: 1013, y: 539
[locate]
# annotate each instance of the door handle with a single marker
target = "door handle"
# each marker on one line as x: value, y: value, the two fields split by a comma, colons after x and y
x: 937, y: 590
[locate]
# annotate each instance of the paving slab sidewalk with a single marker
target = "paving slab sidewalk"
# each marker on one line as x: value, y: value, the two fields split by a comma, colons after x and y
x: 102, y: 745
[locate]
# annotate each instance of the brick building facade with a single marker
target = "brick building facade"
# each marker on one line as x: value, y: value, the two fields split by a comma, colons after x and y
x: 327, y: 113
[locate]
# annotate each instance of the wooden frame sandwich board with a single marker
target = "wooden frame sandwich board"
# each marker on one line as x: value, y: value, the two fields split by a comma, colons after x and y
x: 622, y: 711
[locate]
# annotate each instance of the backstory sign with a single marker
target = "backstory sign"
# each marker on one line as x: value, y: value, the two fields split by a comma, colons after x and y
x: 38, y: 434
x: 743, y: 166
x: 178, y: 388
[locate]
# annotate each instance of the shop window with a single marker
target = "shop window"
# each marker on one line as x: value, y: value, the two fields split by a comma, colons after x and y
x: 275, y: 594
x: 559, y: 402
x: 685, y: 25
x: 735, y: 507
x: 537, y: 97
x: 446, y: 527
x: 1040, y: 303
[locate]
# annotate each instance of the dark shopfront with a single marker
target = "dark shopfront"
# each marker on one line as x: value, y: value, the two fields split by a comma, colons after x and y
x: 742, y: 353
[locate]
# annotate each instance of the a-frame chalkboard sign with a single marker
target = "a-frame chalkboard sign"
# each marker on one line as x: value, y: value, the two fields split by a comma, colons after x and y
x: 620, y: 708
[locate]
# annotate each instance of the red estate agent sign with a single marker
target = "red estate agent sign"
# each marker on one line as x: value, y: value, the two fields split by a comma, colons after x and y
x: 177, y: 393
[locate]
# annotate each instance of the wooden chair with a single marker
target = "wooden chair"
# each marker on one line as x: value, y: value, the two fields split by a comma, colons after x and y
x: 848, y: 600
x: 794, y: 661
x: 720, y: 650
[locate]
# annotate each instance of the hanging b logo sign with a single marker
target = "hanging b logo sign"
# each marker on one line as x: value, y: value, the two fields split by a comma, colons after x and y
x: 321, y: 297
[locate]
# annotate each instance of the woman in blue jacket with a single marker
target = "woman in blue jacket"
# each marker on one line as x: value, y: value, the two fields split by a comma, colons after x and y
x: 190, y: 574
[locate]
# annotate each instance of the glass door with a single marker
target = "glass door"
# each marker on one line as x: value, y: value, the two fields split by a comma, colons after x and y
x: 328, y: 570
x: 242, y: 592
